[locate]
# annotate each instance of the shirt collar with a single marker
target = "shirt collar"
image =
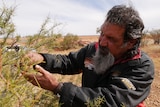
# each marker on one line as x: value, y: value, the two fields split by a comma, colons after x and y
x: 122, y: 60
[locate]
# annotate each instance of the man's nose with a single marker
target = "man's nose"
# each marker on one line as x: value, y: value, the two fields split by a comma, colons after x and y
x: 103, y: 41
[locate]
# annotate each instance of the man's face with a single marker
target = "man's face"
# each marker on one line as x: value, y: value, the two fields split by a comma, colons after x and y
x: 111, y: 47
x: 112, y: 40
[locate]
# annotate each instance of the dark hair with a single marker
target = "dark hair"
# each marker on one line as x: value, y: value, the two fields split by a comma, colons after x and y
x: 127, y: 17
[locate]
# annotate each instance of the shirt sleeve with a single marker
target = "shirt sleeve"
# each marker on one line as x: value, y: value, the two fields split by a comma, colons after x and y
x: 65, y: 64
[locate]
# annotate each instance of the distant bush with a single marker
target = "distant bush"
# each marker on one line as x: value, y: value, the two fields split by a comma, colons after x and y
x: 145, y: 40
x: 70, y: 41
x: 156, y: 36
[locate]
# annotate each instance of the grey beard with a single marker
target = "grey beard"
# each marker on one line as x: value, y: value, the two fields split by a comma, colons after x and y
x: 102, y: 62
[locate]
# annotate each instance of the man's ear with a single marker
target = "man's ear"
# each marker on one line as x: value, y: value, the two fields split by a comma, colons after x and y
x: 132, y: 42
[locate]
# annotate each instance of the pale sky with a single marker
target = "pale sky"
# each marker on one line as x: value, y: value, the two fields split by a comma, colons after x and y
x: 80, y: 17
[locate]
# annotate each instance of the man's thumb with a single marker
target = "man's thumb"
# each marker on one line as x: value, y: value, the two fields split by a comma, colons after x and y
x: 40, y: 69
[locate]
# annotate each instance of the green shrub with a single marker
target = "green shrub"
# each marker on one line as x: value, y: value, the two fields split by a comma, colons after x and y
x: 15, y: 90
x: 69, y: 42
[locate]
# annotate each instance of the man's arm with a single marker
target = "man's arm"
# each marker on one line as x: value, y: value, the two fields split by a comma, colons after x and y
x: 73, y: 63
x: 116, y: 92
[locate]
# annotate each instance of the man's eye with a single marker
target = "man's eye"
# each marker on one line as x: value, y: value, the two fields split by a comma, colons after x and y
x: 101, y: 33
x: 110, y: 38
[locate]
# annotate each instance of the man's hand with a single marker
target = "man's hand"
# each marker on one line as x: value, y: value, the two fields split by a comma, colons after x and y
x: 29, y: 60
x: 44, y: 80
x: 33, y: 58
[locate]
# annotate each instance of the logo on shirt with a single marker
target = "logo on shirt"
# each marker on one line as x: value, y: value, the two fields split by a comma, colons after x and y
x: 88, y: 62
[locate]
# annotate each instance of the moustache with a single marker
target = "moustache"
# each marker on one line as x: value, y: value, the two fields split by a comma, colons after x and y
x: 103, y: 50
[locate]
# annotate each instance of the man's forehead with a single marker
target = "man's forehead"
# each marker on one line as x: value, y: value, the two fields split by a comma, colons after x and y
x: 105, y: 24
x: 112, y: 28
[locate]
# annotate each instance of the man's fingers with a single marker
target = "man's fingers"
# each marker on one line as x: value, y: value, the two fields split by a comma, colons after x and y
x: 28, y: 76
x: 32, y: 78
x: 41, y: 70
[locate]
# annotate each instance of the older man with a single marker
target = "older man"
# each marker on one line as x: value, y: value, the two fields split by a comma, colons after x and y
x: 114, y: 69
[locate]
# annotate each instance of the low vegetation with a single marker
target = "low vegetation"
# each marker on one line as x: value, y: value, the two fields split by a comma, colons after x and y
x: 15, y: 91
